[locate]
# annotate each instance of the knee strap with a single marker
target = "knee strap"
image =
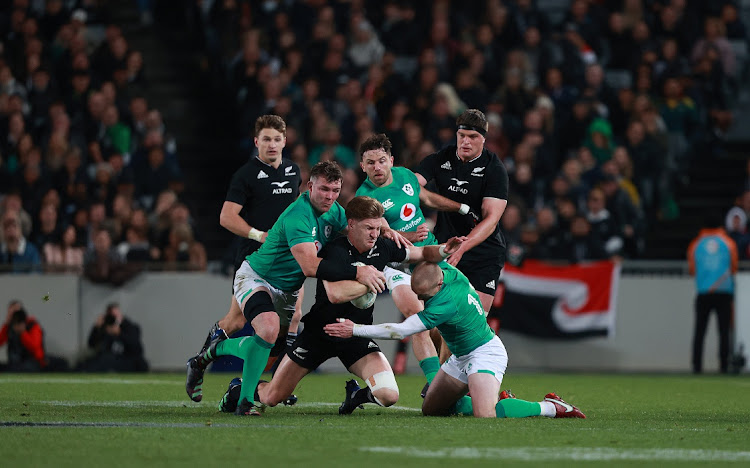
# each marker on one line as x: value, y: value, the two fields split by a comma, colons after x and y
x: 257, y: 304
x: 381, y: 380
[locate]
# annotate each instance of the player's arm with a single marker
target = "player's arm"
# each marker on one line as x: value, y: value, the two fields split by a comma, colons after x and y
x: 306, y: 255
x: 492, y: 210
x: 339, y: 292
x: 439, y: 202
x: 231, y: 220
x: 345, y: 328
x: 434, y: 253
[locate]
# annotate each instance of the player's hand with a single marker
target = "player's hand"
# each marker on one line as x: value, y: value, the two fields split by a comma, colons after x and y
x: 422, y: 232
x: 263, y: 237
x: 454, y: 243
x: 343, y: 328
x: 396, y: 237
x: 455, y: 257
x: 371, y: 277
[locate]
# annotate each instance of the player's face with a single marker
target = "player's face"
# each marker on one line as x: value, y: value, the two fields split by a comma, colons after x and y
x: 323, y: 194
x: 377, y: 165
x: 364, y: 233
x: 270, y: 143
x: 470, y: 144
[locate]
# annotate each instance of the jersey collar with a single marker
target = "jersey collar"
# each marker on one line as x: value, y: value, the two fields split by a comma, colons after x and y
x: 469, y: 161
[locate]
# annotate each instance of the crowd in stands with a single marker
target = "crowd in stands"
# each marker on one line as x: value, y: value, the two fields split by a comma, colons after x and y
x: 596, y: 113
x: 89, y: 177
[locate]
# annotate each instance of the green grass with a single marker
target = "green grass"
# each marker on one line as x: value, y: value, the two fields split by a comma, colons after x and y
x: 146, y: 420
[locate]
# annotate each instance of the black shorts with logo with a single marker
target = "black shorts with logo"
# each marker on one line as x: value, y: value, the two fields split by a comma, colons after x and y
x: 482, y: 275
x: 313, y: 347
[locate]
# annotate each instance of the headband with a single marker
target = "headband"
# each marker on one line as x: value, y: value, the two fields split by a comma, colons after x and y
x: 481, y: 130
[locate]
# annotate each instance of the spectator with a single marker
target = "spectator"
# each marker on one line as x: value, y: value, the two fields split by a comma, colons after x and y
x: 736, y: 226
x: 25, y: 339
x: 64, y: 254
x: 116, y: 343
x: 102, y: 264
x: 17, y: 255
x: 183, y: 251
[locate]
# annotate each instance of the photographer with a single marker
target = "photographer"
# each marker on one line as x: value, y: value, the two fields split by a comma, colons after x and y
x: 25, y: 339
x: 116, y: 342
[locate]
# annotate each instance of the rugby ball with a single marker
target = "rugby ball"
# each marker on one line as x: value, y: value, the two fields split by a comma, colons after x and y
x: 365, y: 301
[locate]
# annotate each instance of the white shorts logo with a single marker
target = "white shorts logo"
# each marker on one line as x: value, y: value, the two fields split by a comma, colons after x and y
x: 408, y: 211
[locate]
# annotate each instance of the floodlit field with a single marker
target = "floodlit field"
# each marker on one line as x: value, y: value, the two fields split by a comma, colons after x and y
x: 147, y: 420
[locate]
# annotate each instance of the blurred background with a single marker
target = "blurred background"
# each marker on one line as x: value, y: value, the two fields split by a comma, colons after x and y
x: 121, y: 123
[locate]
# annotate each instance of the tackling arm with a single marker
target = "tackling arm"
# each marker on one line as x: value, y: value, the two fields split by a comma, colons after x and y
x: 439, y: 202
x: 492, y: 211
x: 306, y: 255
x: 385, y: 331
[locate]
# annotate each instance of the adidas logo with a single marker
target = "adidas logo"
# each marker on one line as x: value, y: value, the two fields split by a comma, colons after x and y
x: 262, y: 175
x: 372, y: 344
x: 491, y: 284
x: 446, y: 165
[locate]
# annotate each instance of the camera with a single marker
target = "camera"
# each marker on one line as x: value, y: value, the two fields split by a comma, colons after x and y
x: 110, y: 319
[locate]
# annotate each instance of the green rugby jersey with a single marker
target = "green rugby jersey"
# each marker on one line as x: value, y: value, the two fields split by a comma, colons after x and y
x: 457, y: 313
x: 400, y: 199
x: 299, y: 223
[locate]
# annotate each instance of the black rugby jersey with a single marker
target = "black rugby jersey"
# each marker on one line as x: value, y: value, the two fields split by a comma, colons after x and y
x: 469, y: 183
x: 264, y: 193
x: 341, y: 250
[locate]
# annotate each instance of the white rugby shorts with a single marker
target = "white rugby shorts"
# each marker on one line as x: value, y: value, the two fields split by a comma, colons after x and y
x: 490, y: 358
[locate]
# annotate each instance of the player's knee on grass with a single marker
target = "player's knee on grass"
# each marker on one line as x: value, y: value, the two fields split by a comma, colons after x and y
x: 270, y: 396
x: 384, y: 388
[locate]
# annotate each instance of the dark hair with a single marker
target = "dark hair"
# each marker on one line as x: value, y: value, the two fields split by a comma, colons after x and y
x: 473, y: 118
x: 375, y: 142
x: 270, y: 121
x: 18, y: 316
x: 364, y: 207
x: 329, y: 170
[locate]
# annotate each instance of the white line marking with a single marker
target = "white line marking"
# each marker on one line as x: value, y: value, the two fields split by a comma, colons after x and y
x: 96, y: 380
x: 189, y: 404
x: 566, y: 453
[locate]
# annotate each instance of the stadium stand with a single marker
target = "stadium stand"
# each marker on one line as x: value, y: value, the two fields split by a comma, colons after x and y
x: 156, y: 104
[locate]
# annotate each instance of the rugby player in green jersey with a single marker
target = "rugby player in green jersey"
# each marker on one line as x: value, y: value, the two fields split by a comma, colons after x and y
x: 267, y: 283
x: 478, y: 360
x: 399, y: 191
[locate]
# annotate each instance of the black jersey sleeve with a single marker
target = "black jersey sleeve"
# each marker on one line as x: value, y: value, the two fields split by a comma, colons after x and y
x: 427, y: 167
x: 496, y: 180
x: 395, y: 253
x: 239, y: 190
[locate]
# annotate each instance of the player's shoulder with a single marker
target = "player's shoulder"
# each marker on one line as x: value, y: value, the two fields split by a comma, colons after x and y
x: 491, y: 159
x: 290, y: 167
x: 403, y: 173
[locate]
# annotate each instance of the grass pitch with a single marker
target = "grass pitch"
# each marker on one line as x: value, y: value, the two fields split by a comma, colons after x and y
x: 147, y: 420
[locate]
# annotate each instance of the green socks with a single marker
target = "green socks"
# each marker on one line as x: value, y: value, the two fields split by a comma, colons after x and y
x: 515, y: 408
x: 506, y: 408
x: 255, y: 351
x: 430, y: 367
